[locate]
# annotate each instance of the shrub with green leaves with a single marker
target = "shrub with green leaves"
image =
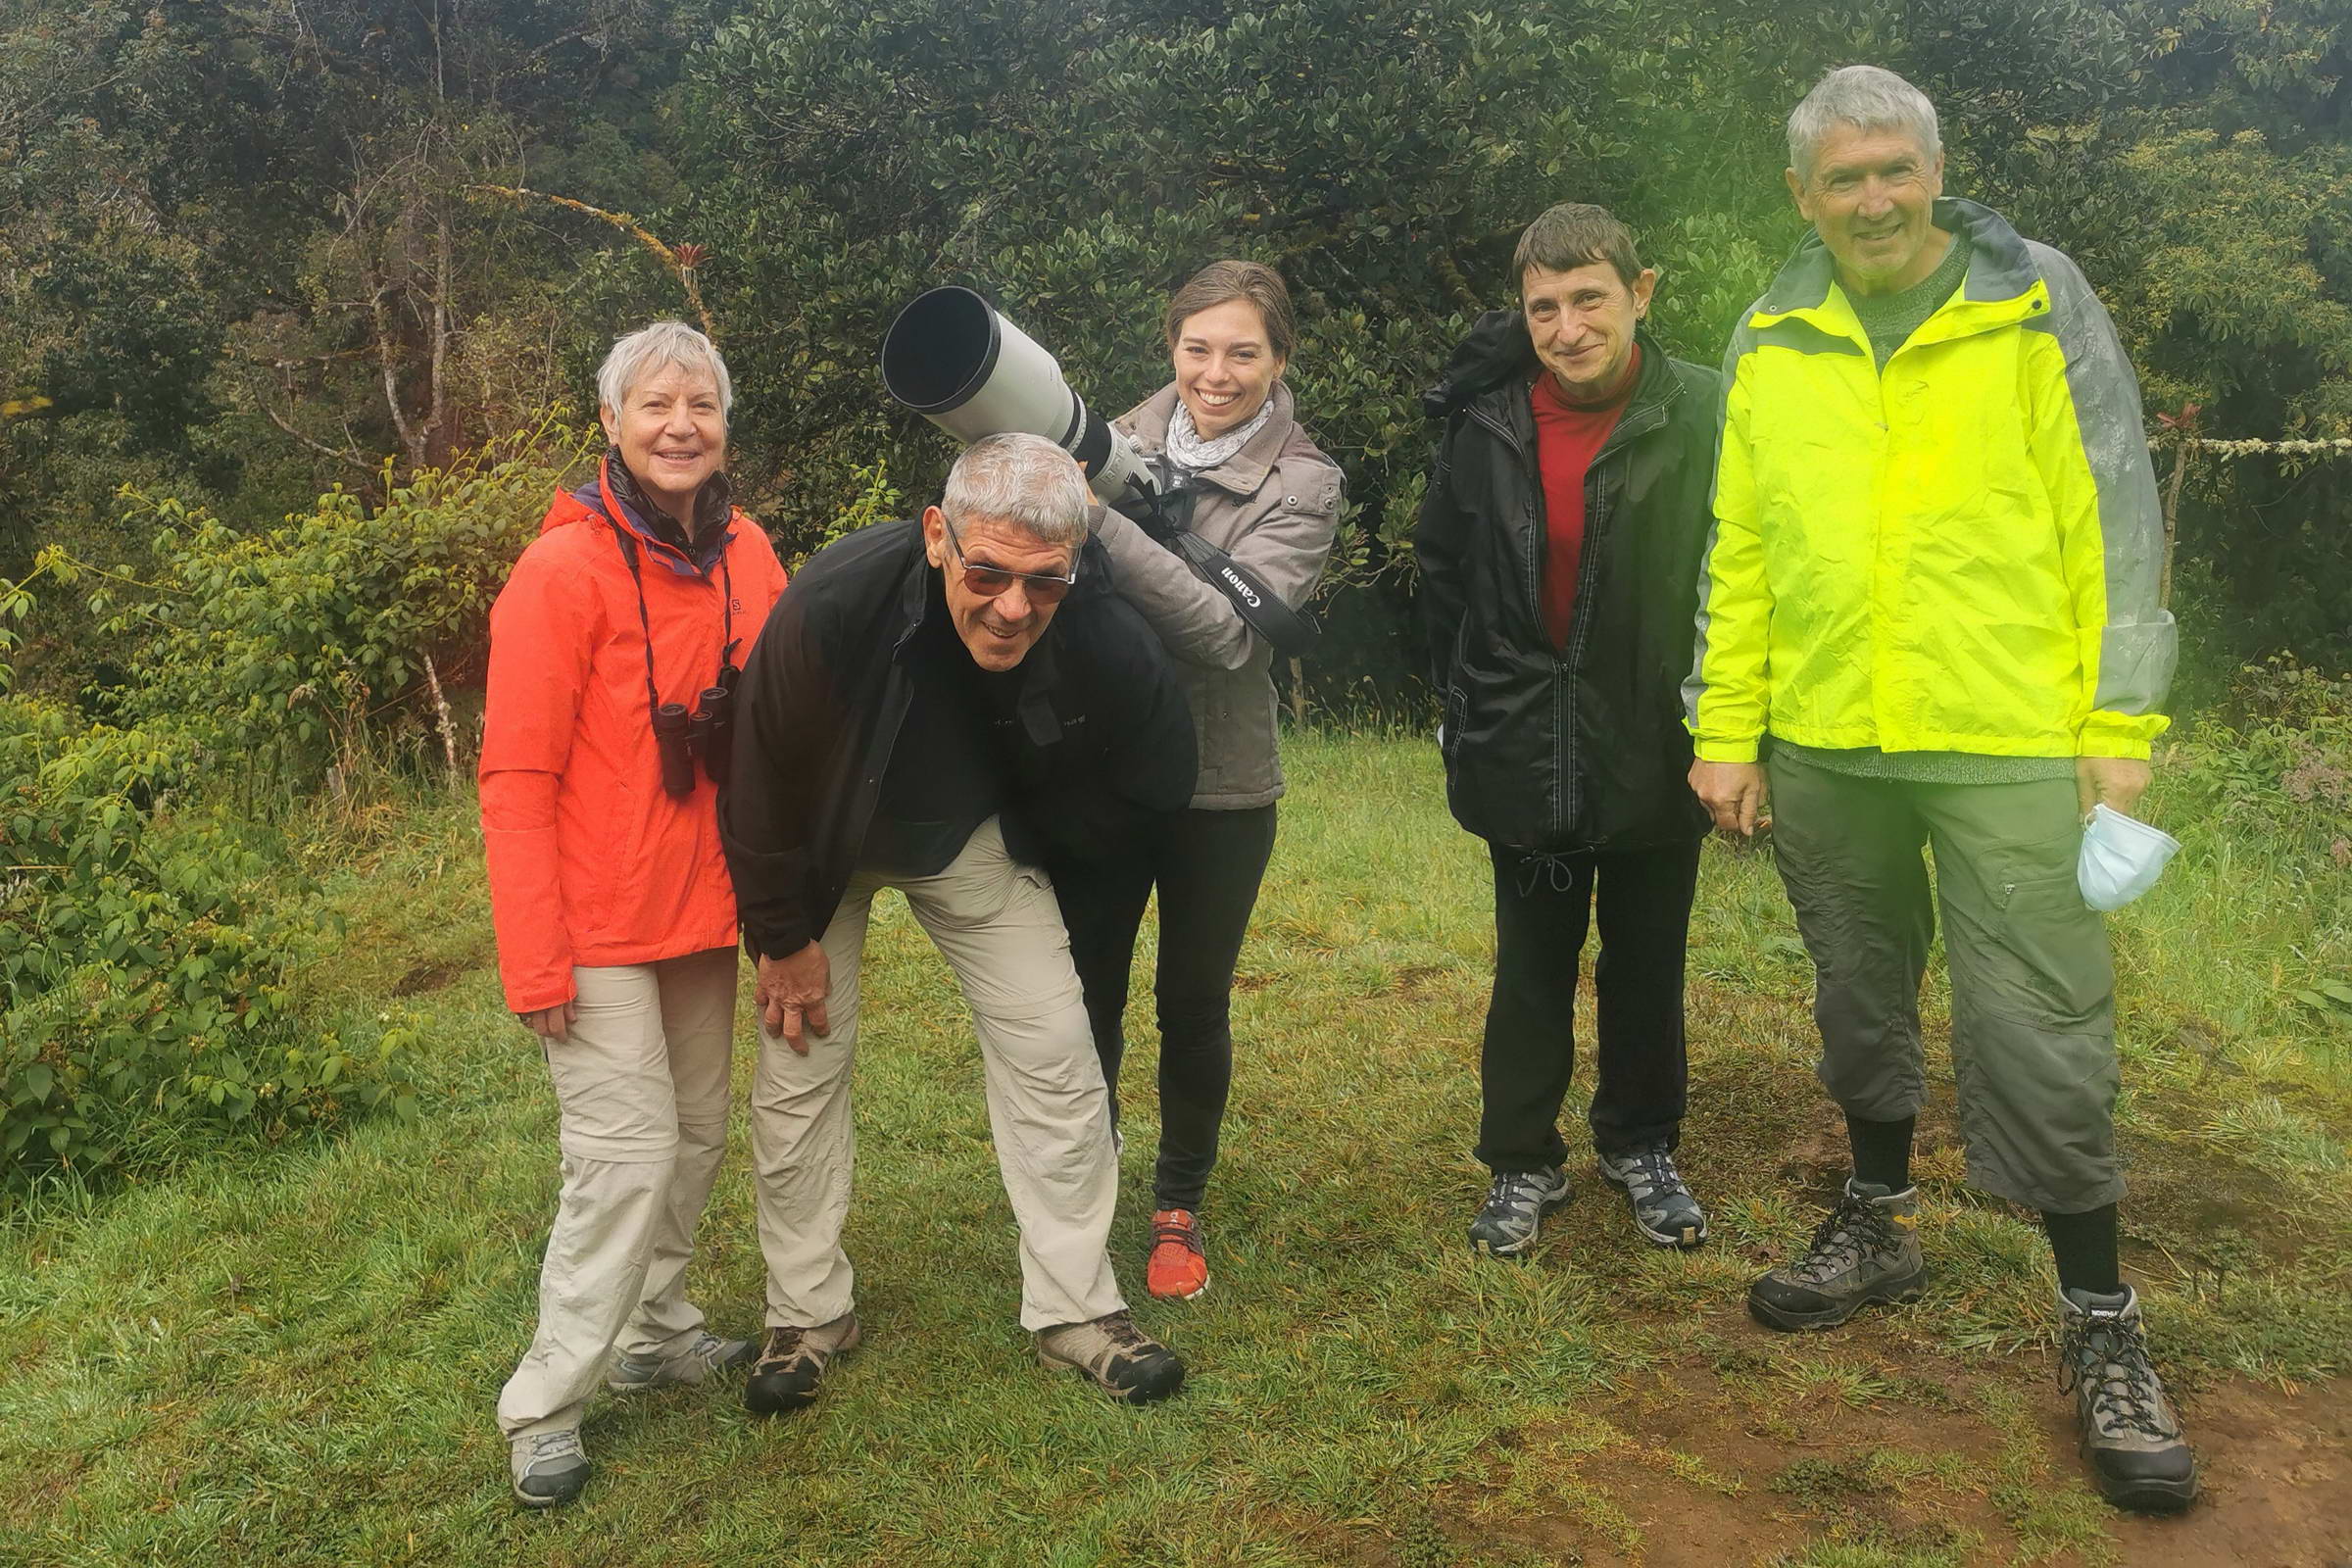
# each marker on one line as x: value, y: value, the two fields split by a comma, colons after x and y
x: 310, y: 644
x: 146, y: 974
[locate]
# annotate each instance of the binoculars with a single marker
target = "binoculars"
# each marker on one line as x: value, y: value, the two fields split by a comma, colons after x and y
x: 707, y: 733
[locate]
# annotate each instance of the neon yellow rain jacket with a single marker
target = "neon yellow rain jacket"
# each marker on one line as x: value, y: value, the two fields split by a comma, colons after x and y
x: 1958, y: 553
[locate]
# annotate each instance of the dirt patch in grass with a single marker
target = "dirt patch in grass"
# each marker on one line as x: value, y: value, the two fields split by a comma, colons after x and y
x: 1766, y: 1448
x: 426, y: 977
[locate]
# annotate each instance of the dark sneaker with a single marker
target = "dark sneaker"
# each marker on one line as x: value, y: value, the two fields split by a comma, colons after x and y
x: 1664, y: 1211
x: 549, y: 1469
x: 708, y: 1355
x: 1867, y: 1250
x: 1514, y: 1209
x: 1127, y: 1363
x: 2130, y: 1438
x: 792, y: 1363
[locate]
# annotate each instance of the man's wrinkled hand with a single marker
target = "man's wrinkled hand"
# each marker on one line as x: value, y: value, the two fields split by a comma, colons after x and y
x: 552, y: 1024
x: 1731, y: 792
x: 791, y: 995
x: 2115, y: 782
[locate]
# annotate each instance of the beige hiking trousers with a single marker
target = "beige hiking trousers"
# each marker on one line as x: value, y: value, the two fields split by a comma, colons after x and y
x: 997, y: 925
x: 641, y: 1085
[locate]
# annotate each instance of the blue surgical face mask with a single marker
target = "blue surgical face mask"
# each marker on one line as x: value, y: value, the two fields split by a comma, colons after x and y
x: 2121, y: 858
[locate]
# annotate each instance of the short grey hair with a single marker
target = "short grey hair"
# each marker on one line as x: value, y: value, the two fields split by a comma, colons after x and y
x: 651, y: 349
x: 1867, y: 97
x: 1026, y: 480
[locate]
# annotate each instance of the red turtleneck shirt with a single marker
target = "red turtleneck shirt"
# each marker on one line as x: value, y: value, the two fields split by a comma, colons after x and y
x: 1568, y: 437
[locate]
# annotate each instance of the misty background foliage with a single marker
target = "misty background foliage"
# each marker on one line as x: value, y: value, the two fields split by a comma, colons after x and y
x: 303, y: 303
x: 246, y: 256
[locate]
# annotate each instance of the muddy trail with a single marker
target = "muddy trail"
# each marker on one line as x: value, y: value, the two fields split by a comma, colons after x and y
x: 1717, y: 1460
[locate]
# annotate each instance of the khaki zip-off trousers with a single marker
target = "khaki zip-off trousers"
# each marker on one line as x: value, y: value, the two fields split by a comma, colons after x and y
x: 2032, y: 983
x: 997, y: 925
x: 641, y: 1084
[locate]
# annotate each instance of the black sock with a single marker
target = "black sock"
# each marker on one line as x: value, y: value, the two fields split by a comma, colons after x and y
x: 2085, y: 1246
x: 1881, y: 1150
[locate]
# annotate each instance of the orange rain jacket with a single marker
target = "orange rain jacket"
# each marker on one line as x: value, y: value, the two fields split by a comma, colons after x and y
x: 591, y: 862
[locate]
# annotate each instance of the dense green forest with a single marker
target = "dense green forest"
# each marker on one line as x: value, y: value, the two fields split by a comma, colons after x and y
x: 251, y: 250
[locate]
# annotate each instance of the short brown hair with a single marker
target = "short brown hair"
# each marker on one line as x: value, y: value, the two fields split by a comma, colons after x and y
x: 1220, y: 281
x: 1575, y: 235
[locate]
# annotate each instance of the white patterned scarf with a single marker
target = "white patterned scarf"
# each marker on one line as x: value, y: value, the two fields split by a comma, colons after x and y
x: 1189, y: 453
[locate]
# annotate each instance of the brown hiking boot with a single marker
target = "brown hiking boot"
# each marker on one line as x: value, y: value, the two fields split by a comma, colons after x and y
x: 1122, y: 1360
x: 792, y: 1363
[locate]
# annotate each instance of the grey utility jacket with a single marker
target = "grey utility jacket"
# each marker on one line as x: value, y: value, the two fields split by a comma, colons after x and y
x: 1273, y: 505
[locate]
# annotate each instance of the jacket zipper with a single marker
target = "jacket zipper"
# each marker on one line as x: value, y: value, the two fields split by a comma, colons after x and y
x: 1569, y: 797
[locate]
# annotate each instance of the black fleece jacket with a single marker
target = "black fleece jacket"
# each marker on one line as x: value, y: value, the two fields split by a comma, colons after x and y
x: 1092, y: 737
x: 1581, y: 750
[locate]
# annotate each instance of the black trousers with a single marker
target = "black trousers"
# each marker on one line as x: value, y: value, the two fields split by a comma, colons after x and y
x: 1542, y: 905
x: 1208, y: 866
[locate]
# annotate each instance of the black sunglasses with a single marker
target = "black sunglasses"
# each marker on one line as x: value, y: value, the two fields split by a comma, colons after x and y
x: 1042, y: 588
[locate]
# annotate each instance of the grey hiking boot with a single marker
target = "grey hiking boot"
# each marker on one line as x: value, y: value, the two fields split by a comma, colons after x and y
x: 1507, y: 1222
x: 2130, y: 1438
x: 549, y: 1469
x: 708, y: 1355
x: 1123, y: 1361
x: 792, y: 1363
x: 1866, y: 1250
x: 1664, y: 1211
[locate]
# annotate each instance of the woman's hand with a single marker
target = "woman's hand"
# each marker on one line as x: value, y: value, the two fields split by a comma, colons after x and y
x: 552, y: 1024
x: 791, y: 993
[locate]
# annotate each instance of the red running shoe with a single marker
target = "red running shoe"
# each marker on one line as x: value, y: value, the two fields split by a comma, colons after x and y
x: 1179, y: 1269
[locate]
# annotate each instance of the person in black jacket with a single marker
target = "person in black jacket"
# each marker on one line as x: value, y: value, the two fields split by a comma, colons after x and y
x: 1559, y: 545
x: 933, y: 707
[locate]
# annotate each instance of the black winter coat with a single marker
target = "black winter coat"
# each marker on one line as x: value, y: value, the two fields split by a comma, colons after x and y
x: 1582, y: 749
x: 1093, y: 734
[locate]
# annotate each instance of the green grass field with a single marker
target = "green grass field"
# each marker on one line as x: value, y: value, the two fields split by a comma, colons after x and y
x: 290, y: 1355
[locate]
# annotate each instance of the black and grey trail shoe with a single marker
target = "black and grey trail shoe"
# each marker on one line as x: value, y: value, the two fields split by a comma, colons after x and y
x: 1866, y: 1250
x: 549, y: 1468
x: 1514, y: 1209
x: 1664, y: 1211
x: 2130, y: 1438
x: 708, y: 1356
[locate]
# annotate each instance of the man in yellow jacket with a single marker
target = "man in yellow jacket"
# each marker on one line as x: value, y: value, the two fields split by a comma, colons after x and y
x: 1928, y: 618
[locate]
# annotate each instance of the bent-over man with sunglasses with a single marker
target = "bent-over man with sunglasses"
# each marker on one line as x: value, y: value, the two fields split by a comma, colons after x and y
x: 927, y: 701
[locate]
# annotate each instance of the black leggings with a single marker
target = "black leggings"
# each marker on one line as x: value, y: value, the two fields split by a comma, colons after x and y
x: 1208, y: 866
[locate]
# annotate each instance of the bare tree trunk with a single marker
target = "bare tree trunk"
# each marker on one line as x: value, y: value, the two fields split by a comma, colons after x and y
x: 1298, y: 693
x: 437, y: 424
x: 441, y: 718
x: 388, y: 356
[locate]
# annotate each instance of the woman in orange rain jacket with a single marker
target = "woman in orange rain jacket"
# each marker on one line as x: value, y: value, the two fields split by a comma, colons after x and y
x: 613, y: 648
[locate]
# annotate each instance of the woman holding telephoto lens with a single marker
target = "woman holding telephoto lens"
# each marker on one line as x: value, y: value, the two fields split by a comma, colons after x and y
x: 612, y: 651
x: 1225, y: 446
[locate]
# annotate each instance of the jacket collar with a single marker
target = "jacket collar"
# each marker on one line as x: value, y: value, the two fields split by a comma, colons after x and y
x: 922, y: 592
x: 2003, y: 285
x: 615, y: 495
x: 1244, y: 472
x: 1498, y: 360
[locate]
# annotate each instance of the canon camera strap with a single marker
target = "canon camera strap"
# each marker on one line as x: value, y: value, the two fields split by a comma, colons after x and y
x: 1162, y: 515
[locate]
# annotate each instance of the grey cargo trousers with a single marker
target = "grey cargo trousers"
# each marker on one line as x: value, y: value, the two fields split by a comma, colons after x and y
x: 2033, y: 981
